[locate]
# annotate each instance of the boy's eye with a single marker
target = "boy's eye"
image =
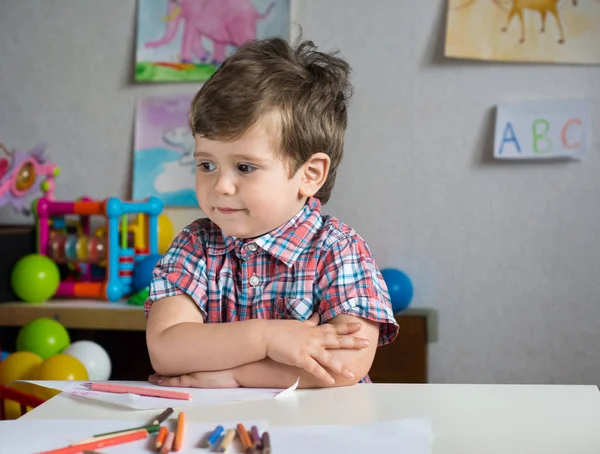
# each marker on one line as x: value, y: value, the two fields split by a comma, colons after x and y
x: 206, y: 166
x: 246, y: 168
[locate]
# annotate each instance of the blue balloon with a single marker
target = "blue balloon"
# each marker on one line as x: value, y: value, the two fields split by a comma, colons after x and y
x: 3, y: 355
x: 400, y: 288
x: 142, y: 273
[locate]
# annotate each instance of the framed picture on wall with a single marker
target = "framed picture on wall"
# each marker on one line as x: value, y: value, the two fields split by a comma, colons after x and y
x: 186, y: 40
x: 550, y: 31
x: 163, y: 159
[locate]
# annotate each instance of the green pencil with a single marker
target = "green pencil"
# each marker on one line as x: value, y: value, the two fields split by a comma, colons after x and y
x: 151, y: 429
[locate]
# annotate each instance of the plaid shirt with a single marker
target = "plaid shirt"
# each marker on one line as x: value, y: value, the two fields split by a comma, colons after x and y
x: 311, y: 263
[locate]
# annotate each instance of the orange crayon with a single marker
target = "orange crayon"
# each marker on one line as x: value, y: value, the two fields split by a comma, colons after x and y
x: 180, y: 432
x: 247, y: 444
x: 162, y: 436
x: 113, y: 441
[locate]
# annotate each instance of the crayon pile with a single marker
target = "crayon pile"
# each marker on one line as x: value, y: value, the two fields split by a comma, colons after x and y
x: 220, y: 439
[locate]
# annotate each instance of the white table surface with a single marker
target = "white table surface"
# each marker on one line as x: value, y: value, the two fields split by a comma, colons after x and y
x: 478, y: 419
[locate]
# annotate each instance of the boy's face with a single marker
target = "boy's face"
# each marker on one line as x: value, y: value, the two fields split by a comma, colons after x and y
x: 244, y: 186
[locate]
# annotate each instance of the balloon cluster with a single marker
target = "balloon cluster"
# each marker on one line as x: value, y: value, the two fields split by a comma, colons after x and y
x: 45, y: 352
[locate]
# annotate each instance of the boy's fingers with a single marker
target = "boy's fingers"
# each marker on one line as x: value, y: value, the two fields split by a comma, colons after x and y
x: 154, y: 378
x: 346, y: 328
x: 314, y: 368
x: 181, y: 381
x: 344, y: 341
x: 325, y: 359
x: 313, y: 320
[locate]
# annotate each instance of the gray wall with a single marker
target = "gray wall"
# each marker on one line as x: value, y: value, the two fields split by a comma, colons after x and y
x: 508, y: 253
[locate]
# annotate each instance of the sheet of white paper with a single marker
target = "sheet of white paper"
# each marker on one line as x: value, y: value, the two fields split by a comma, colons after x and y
x: 289, y: 391
x: 409, y: 436
x: 200, y: 397
x: 15, y: 436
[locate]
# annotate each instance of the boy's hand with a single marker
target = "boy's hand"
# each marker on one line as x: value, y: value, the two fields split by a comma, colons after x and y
x: 211, y: 379
x: 304, y: 345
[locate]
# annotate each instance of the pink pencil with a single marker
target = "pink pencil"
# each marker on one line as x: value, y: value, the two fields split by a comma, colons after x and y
x: 124, y: 389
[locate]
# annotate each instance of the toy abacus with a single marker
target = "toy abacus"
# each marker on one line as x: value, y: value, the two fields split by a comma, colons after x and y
x: 108, y: 248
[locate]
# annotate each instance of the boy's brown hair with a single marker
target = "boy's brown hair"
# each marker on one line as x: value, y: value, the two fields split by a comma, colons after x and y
x: 308, y: 89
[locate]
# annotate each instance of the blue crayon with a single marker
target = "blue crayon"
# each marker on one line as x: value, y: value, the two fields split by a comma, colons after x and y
x: 213, y: 437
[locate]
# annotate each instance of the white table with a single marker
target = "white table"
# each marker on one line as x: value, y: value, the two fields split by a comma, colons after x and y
x: 490, y: 419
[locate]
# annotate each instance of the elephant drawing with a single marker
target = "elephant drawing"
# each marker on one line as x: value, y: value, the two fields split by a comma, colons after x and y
x: 224, y: 22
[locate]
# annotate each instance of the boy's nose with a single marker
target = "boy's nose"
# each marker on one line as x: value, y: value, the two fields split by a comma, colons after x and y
x: 225, y: 185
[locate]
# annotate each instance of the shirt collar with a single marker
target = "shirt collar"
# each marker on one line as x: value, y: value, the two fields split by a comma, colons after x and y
x: 286, y: 242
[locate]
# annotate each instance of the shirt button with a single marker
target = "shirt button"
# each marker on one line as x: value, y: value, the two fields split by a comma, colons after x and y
x: 254, y: 280
x: 253, y: 247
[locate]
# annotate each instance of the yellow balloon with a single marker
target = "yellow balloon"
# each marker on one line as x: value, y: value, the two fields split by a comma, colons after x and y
x: 166, y: 233
x: 59, y: 367
x: 19, y: 366
x: 62, y: 367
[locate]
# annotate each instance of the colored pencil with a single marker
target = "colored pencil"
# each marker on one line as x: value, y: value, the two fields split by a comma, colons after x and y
x: 180, y: 434
x: 227, y: 439
x: 256, y: 437
x: 266, y: 443
x: 140, y: 390
x: 162, y: 435
x: 213, y: 437
x: 149, y: 429
x: 152, y: 429
x: 163, y: 416
x: 112, y: 441
x: 168, y: 444
x: 247, y: 444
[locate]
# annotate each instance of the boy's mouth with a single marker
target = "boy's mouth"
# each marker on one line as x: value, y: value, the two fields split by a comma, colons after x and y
x: 227, y: 210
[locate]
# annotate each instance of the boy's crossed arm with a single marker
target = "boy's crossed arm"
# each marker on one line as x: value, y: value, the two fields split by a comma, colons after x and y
x: 255, y: 353
x: 268, y: 373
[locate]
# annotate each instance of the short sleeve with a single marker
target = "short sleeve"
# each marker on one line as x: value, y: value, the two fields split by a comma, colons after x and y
x: 349, y: 282
x: 182, y: 270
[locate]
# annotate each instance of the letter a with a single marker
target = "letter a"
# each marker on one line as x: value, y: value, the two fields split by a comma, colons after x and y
x: 509, y: 138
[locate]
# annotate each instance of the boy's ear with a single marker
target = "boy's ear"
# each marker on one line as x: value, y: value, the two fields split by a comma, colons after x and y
x: 313, y: 174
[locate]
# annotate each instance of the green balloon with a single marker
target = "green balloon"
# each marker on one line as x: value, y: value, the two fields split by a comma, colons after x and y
x: 43, y: 336
x: 35, y: 278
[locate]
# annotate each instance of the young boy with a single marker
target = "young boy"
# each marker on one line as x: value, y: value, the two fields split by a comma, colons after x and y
x: 266, y: 289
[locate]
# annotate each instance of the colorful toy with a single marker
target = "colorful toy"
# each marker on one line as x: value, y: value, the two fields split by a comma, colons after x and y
x: 100, y: 265
x: 139, y: 298
x: 15, y: 403
x: 44, y: 337
x: 35, y: 278
x: 142, y: 275
x: 93, y: 357
x: 22, y: 174
x: 17, y: 366
x: 399, y: 287
x: 165, y: 232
